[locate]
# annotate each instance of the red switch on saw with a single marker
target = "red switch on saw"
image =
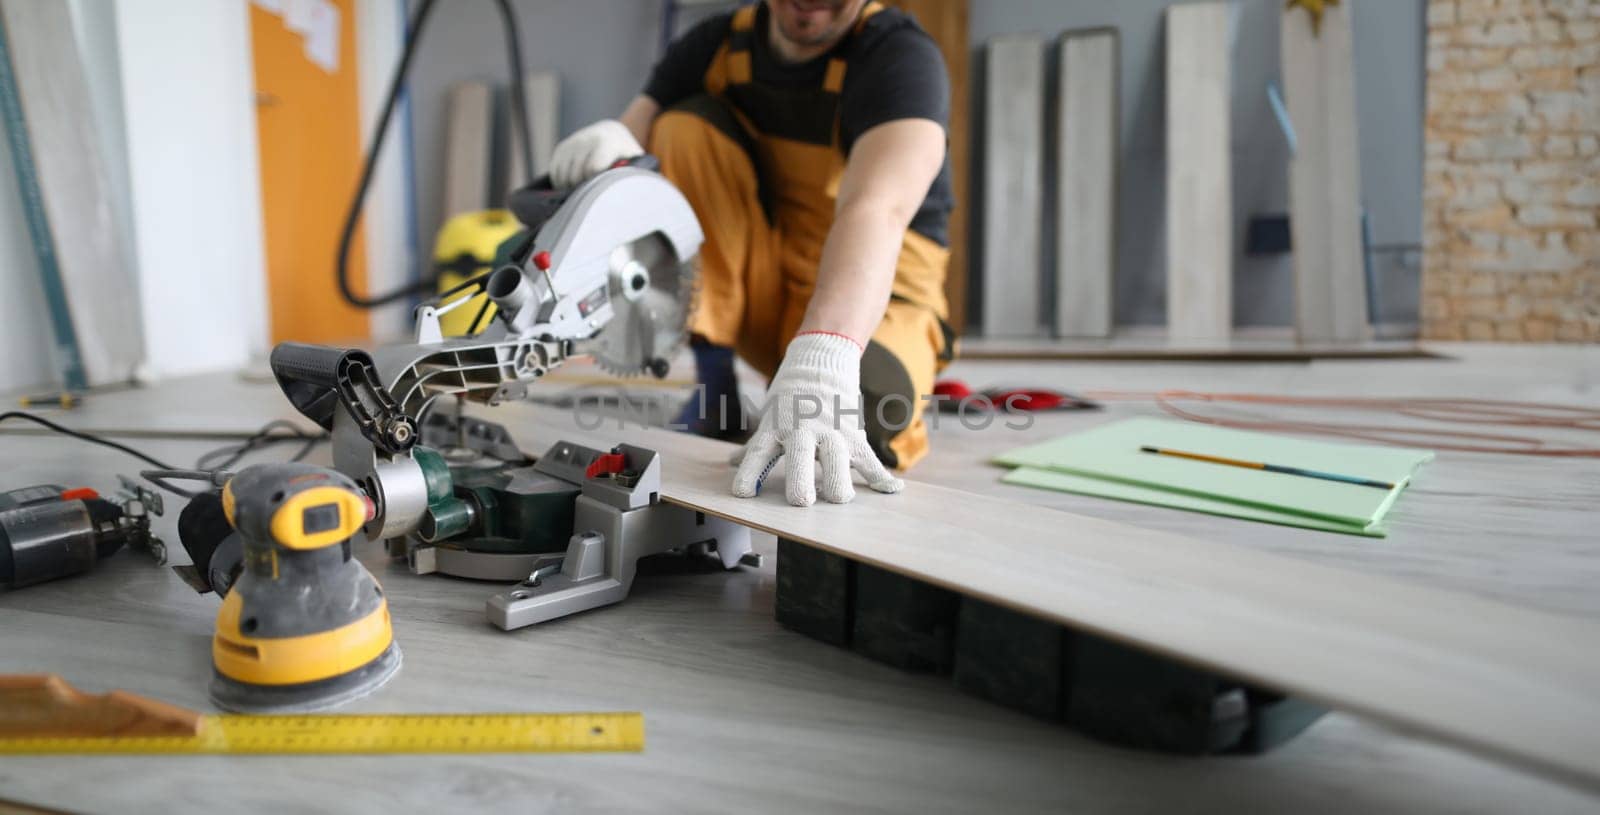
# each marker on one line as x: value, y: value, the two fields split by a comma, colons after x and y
x: 541, y: 259
x: 606, y: 464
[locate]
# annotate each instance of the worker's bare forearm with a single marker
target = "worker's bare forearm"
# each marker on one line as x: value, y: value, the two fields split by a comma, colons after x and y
x: 638, y: 116
x: 856, y: 272
x: 891, y: 168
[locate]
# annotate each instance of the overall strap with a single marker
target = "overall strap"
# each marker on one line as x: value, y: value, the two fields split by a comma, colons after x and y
x: 833, y: 80
x: 741, y: 39
x: 804, y: 115
x: 731, y: 64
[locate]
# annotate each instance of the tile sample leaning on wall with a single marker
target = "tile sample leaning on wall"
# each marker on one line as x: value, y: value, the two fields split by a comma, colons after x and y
x: 1013, y: 185
x: 467, y: 148
x: 542, y: 90
x: 1199, y: 173
x: 1330, y: 287
x: 1086, y: 182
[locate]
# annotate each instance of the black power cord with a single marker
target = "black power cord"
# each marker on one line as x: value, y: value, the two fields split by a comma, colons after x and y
x: 232, y: 454
x: 103, y: 442
x: 518, y: 111
x: 88, y: 437
x: 263, y: 438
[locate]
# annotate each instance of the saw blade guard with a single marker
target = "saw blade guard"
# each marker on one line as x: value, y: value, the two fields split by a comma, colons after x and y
x: 613, y: 270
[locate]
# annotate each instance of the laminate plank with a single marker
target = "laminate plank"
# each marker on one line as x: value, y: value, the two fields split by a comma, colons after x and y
x: 1086, y: 182
x: 1398, y: 652
x: 1514, y: 529
x: 1324, y: 177
x: 1199, y: 173
x: 467, y: 148
x: 1012, y: 186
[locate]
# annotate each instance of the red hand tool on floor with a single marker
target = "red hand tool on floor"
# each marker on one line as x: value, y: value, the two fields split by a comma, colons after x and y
x: 956, y: 392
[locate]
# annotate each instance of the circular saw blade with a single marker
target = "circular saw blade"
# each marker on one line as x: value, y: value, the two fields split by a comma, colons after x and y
x: 651, y: 292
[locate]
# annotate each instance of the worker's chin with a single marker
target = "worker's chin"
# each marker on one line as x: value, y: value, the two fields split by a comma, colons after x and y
x: 810, y: 22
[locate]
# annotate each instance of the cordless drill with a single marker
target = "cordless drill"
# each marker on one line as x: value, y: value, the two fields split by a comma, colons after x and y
x: 48, y: 532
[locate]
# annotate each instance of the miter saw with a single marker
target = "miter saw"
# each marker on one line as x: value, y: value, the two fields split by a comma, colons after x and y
x: 605, y: 270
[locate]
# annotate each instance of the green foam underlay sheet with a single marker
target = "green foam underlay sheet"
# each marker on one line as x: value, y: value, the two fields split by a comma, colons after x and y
x: 1106, y: 462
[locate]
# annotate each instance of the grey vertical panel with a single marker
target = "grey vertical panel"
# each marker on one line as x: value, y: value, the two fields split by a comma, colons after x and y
x: 1086, y: 182
x: 467, y: 148
x: 1012, y: 188
x: 1324, y: 178
x: 1199, y: 174
x: 543, y: 92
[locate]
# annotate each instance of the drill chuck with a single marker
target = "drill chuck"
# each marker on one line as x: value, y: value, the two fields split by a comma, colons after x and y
x: 49, y: 540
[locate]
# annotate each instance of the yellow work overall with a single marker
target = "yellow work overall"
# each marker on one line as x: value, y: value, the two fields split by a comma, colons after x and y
x: 766, y: 204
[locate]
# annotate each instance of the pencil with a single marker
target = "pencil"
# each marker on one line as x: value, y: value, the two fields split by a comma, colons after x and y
x: 1271, y: 468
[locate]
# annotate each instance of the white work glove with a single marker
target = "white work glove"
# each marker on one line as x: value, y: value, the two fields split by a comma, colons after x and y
x: 586, y: 153
x: 819, y: 380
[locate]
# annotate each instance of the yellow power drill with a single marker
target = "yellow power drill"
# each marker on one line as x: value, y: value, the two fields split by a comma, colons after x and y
x: 304, y: 626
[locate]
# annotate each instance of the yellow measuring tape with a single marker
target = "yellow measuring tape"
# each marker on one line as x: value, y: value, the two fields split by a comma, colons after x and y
x: 376, y: 733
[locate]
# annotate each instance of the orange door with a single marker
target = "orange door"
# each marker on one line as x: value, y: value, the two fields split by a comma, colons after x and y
x: 310, y: 144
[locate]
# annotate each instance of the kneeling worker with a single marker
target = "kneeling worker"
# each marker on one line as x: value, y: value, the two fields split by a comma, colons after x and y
x: 809, y: 137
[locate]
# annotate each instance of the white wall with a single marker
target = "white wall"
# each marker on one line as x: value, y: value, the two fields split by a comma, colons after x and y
x: 25, y: 326
x: 387, y: 221
x: 173, y: 88
x: 188, y: 95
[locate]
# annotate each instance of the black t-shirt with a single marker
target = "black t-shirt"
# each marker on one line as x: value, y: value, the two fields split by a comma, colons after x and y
x: 895, y: 71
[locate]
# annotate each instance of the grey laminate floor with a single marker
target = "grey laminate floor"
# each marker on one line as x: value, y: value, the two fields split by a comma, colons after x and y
x: 744, y: 716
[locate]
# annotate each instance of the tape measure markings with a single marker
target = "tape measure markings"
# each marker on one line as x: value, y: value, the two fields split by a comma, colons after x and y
x: 374, y: 733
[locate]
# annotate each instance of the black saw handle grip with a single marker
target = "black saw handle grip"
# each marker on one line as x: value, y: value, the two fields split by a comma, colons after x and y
x: 309, y: 375
x: 535, y: 203
x: 318, y: 379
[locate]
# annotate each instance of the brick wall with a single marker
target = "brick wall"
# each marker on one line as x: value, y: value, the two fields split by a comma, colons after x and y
x: 1511, y: 190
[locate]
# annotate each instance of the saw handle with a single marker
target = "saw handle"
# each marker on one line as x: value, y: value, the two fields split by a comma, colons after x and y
x: 309, y: 376
x: 535, y: 203
x: 318, y: 379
